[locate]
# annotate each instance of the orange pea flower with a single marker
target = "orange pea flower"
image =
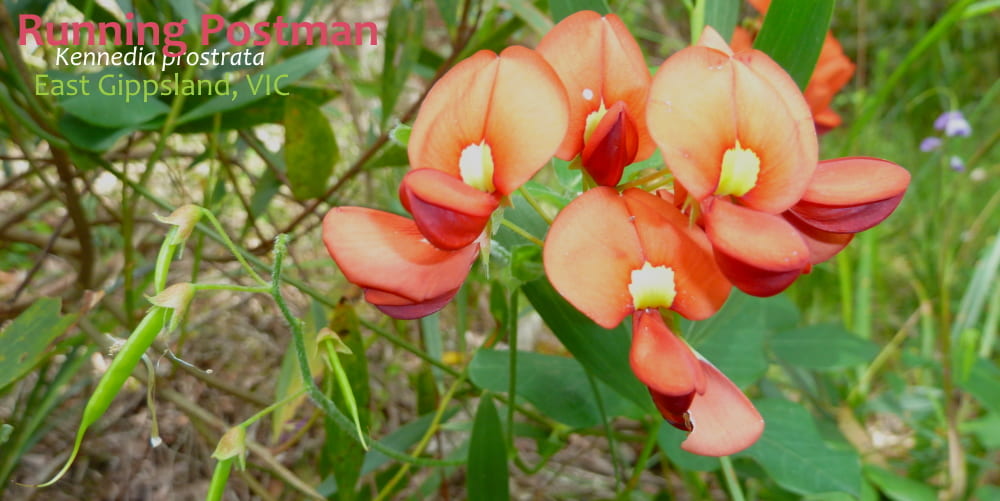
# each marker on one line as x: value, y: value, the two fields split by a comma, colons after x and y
x: 616, y: 254
x: 483, y: 130
x: 607, y: 82
x: 833, y: 70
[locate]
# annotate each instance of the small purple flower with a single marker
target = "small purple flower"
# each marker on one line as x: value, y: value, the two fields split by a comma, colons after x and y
x: 930, y: 143
x: 956, y: 163
x: 953, y: 123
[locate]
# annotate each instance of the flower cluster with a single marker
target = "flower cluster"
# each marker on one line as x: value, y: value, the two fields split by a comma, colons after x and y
x: 952, y: 124
x: 748, y: 203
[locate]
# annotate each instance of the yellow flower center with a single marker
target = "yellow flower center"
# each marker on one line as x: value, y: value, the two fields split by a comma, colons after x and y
x: 475, y: 165
x: 740, y: 167
x: 652, y: 287
x: 593, y: 119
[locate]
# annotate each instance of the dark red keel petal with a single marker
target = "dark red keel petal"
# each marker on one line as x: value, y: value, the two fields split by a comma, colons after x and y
x: 611, y: 146
x: 760, y: 253
x: 724, y: 420
x: 405, y: 309
x: 661, y: 360
x: 450, y: 213
x: 849, y: 195
x: 388, y: 256
x: 674, y: 409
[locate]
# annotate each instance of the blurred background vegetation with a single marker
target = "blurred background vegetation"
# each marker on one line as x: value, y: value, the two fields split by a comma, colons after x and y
x: 877, y: 372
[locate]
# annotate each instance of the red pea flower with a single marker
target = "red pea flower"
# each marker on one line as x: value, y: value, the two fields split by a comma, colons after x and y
x: 483, y: 130
x: 613, y: 255
x: 741, y: 145
x: 739, y: 138
x: 607, y: 82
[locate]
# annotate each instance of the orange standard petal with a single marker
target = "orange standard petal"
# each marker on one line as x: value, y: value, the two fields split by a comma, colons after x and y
x: 723, y: 419
x: 849, y: 195
x: 602, y: 237
x: 386, y: 255
x: 600, y: 63
x: 760, y: 253
x: 513, y: 103
x: 705, y: 103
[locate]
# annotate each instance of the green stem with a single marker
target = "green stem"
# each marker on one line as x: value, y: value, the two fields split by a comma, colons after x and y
x: 520, y: 231
x: 732, y: 483
x: 231, y: 246
x: 219, y: 479
x: 535, y: 205
x: 512, y: 389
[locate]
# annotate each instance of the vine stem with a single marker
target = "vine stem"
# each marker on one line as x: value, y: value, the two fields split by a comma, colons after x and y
x: 732, y: 483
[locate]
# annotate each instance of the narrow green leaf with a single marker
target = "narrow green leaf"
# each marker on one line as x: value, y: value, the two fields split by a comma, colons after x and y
x: 794, y: 455
x: 898, y: 488
x: 258, y: 86
x: 722, y: 15
x: 402, y: 439
x: 487, y: 477
x: 982, y: 383
x: 602, y: 352
x: 793, y: 34
x: 310, y: 148
x: 822, y: 347
x: 108, y: 110
x: 527, y: 11
x: 561, y: 9
x: 556, y: 386
x: 343, y: 453
x: 25, y: 340
x: 88, y: 136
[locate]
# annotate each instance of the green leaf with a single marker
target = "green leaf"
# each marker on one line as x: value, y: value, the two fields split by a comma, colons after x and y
x: 270, y: 110
x: 487, y: 477
x: 899, y: 488
x: 556, y: 386
x: 25, y: 340
x: 822, y: 347
x: 793, y: 34
x: 602, y: 352
x: 982, y: 383
x: 795, y: 456
x: 279, y: 76
x: 110, y: 111
x: 310, y: 148
x: 561, y: 9
x: 733, y: 338
x: 403, y: 438
x: 527, y: 11
x: 722, y: 15
x: 90, y: 137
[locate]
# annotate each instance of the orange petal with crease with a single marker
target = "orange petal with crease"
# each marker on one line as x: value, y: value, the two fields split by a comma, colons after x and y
x: 597, y: 53
x: 702, y: 101
x: 724, y: 420
x: 590, y: 253
x: 667, y: 239
x: 514, y: 101
x: 760, y: 253
x: 450, y: 213
x: 386, y: 253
